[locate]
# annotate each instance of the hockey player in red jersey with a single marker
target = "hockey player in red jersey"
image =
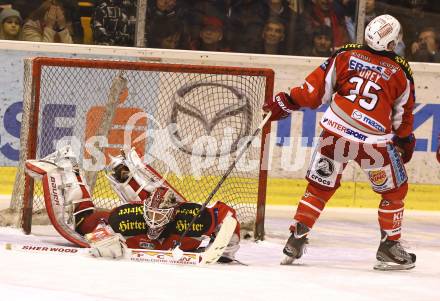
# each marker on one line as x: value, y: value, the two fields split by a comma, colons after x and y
x: 153, y: 215
x: 370, y: 92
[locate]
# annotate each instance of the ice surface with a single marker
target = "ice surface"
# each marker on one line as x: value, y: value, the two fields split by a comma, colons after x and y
x: 337, y: 266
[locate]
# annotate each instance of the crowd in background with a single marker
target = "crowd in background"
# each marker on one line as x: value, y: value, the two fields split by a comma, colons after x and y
x: 292, y: 27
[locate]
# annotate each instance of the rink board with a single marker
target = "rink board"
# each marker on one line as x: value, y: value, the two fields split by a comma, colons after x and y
x: 289, y: 192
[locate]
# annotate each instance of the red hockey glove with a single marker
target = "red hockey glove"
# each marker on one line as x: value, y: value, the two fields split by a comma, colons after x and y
x: 405, y: 146
x: 438, y: 149
x: 280, y: 106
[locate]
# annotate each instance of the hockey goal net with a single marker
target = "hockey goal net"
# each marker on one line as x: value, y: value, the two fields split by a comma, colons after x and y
x: 186, y: 121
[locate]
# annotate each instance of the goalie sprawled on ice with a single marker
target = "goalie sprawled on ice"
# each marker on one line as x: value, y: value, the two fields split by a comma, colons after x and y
x: 153, y: 215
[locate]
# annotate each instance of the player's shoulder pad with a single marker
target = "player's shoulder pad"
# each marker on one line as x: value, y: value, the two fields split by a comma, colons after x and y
x: 346, y: 47
x: 403, y: 63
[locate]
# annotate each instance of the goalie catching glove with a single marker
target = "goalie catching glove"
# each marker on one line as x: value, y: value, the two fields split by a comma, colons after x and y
x: 104, y: 242
x: 281, y: 106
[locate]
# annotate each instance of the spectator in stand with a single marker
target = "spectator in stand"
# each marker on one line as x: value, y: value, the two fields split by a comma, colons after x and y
x: 348, y: 8
x: 246, y: 19
x: 211, y: 36
x: 322, y: 43
x: 273, y: 36
x: 322, y: 12
x: 25, y: 7
x: 164, y: 11
x: 426, y: 48
x: 198, y: 9
x: 48, y: 24
x: 278, y: 9
x: 288, y: 12
x: 296, y: 39
x: 110, y: 23
x: 10, y: 24
x: 168, y: 35
x: 73, y: 15
x: 5, y: 4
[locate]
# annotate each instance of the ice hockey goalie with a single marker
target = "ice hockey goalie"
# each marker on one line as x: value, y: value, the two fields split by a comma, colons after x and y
x: 153, y: 214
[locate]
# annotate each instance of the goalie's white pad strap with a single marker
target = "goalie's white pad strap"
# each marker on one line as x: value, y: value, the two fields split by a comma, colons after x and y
x: 86, y: 209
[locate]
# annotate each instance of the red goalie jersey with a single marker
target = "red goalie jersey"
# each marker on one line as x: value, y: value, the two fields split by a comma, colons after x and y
x: 153, y: 215
x: 364, y: 90
x: 128, y: 220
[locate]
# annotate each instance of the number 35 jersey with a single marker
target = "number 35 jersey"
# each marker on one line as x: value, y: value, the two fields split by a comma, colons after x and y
x: 370, y: 94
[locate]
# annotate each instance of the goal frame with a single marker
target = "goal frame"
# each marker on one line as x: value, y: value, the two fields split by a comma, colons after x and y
x: 33, y: 119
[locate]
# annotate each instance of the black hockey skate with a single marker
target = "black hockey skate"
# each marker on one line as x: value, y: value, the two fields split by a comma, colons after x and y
x: 392, y: 256
x: 295, y: 245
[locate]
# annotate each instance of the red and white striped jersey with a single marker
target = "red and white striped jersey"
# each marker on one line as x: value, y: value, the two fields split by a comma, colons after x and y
x: 371, y: 94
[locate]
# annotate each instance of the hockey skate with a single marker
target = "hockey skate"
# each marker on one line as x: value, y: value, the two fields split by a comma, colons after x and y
x: 392, y: 256
x: 295, y: 245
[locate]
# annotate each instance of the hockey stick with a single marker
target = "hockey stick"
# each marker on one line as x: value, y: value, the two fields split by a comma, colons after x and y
x: 118, y: 93
x: 137, y: 255
x: 210, y: 256
x: 222, y: 180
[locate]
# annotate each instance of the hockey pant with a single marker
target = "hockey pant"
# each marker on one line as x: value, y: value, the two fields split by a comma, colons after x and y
x: 380, y: 162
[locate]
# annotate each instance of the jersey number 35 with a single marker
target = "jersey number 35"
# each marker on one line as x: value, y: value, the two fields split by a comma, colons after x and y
x: 368, y: 90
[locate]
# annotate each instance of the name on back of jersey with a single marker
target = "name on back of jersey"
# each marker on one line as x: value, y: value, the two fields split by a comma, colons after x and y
x: 369, y: 70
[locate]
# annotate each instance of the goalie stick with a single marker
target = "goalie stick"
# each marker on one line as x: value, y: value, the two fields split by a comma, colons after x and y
x: 118, y: 93
x: 222, y: 180
x: 210, y: 256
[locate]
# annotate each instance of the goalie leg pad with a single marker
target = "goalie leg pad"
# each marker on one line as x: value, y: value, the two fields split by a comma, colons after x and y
x: 231, y: 249
x: 38, y: 168
x: 59, y: 210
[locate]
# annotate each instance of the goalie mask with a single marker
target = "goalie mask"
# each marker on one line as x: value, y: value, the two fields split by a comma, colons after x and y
x: 159, y: 210
x: 383, y: 33
x: 129, y: 178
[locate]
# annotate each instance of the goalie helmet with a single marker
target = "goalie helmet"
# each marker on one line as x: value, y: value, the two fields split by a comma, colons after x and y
x: 159, y: 210
x: 383, y: 33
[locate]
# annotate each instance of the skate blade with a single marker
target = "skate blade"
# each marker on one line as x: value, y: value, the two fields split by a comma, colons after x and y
x: 287, y: 260
x: 385, y: 266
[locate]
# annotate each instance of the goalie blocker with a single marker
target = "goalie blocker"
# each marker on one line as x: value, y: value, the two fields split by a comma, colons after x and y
x: 153, y: 215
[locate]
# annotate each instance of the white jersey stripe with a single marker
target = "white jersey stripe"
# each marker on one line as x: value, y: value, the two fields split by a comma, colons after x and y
x: 310, y: 206
x: 329, y: 83
x: 398, y: 109
x: 390, y: 211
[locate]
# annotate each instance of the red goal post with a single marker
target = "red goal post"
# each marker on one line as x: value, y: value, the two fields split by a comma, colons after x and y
x: 186, y: 120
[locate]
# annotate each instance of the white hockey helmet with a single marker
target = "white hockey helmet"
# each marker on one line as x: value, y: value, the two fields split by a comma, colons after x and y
x: 383, y: 33
x: 159, y: 210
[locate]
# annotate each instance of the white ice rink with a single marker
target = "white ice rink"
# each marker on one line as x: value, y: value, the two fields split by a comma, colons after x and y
x: 337, y: 266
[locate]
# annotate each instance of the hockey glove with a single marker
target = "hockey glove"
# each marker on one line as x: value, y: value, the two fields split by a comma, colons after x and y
x: 280, y: 106
x: 405, y: 146
x: 104, y: 242
x: 438, y: 149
